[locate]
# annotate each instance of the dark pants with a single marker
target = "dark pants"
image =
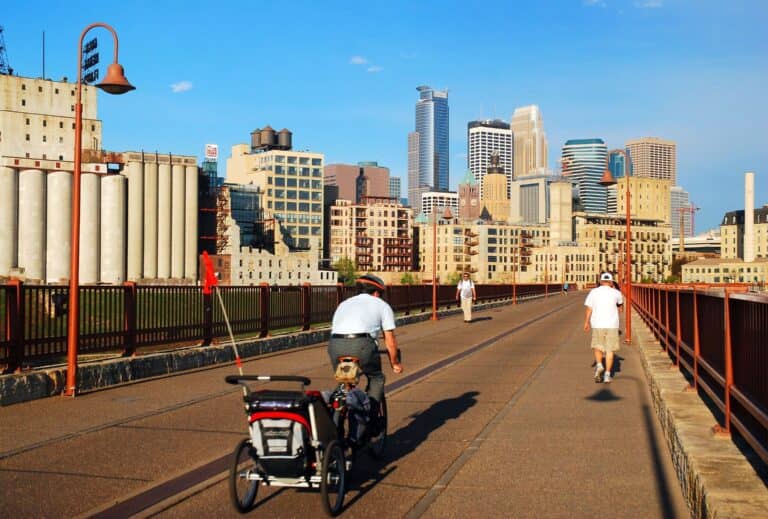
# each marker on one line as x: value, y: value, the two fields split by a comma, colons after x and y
x: 366, y: 350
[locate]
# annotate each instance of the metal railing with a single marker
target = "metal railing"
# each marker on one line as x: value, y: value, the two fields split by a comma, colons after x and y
x: 718, y: 336
x: 125, y: 318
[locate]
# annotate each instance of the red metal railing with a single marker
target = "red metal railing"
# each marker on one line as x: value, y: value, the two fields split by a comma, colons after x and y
x: 123, y: 318
x: 718, y: 336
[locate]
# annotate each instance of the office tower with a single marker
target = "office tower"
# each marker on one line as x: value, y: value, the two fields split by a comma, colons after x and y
x: 652, y: 157
x: 469, y: 197
x: 292, y: 183
x: 495, y: 197
x: 584, y: 163
x: 437, y: 201
x: 530, y: 141
x: 428, y: 152
x: 485, y: 138
x: 359, y: 180
x: 394, y: 188
x: 681, y: 205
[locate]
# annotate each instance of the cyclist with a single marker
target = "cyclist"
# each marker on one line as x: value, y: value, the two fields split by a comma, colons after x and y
x: 355, y: 328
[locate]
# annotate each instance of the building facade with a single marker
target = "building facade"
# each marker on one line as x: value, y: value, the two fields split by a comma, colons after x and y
x: 395, y: 188
x: 469, y: 198
x: 681, y: 212
x: 485, y: 138
x: 494, y: 197
x: 428, y: 148
x: 359, y: 180
x: 584, y: 163
x: 438, y: 201
x: 649, y: 198
x: 530, y: 146
x: 652, y: 157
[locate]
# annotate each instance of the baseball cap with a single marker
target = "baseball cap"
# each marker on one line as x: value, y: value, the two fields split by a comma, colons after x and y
x: 606, y: 276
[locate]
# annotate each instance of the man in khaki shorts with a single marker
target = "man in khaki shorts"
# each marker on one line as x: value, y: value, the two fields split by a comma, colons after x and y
x: 602, y: 315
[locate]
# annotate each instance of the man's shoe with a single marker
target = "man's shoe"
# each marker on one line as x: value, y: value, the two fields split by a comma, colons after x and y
x: 599, y: 374
x: 607, y: 378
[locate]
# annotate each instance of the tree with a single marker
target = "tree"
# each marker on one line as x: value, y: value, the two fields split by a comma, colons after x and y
x: 677, y: 266
x: 453, y: 278
x: 407, y: 279
x: 347, y: 271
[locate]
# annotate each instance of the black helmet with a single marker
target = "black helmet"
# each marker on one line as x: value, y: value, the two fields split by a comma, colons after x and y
x: 369, y: 281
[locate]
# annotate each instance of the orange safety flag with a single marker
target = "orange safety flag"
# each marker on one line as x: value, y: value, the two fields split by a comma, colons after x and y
x: 210, y: 279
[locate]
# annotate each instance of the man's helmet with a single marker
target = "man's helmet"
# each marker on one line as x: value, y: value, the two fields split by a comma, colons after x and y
x: 369, y: 280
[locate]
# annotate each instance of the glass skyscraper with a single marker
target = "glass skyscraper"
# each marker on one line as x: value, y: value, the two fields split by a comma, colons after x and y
x: 428, y: 152
x: 584, y: 163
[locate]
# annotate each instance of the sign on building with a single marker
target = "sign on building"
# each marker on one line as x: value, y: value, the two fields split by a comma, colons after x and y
x: 211, y: 152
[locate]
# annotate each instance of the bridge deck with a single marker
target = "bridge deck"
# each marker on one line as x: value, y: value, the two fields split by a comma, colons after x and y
x: 516, y: 428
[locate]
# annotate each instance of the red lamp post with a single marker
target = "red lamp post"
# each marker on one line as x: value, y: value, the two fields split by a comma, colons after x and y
x: 608, y: 180
x: 114, y: 83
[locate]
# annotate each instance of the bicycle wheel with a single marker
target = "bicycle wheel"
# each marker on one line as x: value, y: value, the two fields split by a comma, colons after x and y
x: 242, y: 489
x: 378, y: 442
x: 333, y: 479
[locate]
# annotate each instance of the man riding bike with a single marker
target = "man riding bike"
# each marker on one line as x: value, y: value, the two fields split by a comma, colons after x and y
x: 355, y: 328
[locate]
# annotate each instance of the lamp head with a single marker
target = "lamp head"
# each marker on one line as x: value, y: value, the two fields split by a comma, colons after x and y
x: 607, y: 179
x: 115, y: 82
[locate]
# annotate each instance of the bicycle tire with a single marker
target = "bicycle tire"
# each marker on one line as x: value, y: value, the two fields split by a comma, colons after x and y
x: 242, y: 490
x: 333, y: 479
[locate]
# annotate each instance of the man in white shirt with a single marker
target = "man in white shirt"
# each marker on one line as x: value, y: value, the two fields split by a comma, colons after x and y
x: 602, y: 316
x: 465, y: 291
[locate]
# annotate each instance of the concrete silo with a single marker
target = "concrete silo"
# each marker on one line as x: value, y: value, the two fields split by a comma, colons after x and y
x: 164, y: 221
x: 9, y: 182
x: 178, y: 194
x: 150, y: 220
x: 190, y: 224
x: 90, y: 215
x: 113, y: 225
x: 58, y: 226
x: 134, y: 172
x: 32, y: 223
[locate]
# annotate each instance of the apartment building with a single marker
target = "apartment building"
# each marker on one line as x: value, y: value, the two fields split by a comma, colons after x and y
x: 650, y: 198
x: 652, y: 157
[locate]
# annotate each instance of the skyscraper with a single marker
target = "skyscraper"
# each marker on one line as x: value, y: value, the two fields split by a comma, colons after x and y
x: 428, y: 152
x: 681, y: 204
x: 530, y: 141
x: 484, y: 138
x: 652, y: 157
x: 584, y: 163
x: 394, y: 188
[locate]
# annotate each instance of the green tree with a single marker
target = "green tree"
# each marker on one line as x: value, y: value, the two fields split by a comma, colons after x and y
x: 347, y: 271
x: 407, y: 279
x: 453, y: 278
x: 677, y: 267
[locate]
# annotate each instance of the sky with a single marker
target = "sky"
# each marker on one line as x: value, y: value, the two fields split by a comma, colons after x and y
x: 342, y: 76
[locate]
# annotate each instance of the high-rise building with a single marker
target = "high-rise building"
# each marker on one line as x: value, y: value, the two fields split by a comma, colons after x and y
x: 530, y: 141
x: 395, y: 188
x: 438, y: 201
x: 469, y: 198
x: 652, y: 157
x: 680, y: 212
x: 359, y: 180
x: 428, y: 153
x: 292, y: 183
x: 584, y: 163
x: 483, y: 139
x: 495, y: 197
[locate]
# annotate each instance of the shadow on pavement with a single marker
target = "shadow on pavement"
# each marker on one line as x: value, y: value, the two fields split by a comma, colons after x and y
x: 603, y: 395
x: 478, y: 319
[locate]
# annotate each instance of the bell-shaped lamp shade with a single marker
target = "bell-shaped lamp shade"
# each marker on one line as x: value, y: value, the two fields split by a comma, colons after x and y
x: 607, y: 179
x: 447, y: 214
x: 115, y: 82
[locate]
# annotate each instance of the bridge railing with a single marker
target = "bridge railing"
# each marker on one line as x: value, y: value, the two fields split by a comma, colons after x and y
x: 129, y: 317
x: 718, y: 336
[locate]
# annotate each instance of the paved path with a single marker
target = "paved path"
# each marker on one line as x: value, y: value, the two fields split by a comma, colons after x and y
x: 516, y: 429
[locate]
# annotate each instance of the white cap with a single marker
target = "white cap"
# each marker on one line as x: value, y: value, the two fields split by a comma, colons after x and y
x: 606, y: 276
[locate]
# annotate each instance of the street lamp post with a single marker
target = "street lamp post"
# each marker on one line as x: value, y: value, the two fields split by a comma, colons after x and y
x: 606, y: 181
x: 115, y: 82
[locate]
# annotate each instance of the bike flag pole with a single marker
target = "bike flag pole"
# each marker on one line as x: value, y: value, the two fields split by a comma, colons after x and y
x: 211, y: 280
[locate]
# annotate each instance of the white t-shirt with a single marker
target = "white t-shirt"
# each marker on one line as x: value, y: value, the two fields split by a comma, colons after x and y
x: 604, y: 301
x: 363, y: 313
x: 465, y: 287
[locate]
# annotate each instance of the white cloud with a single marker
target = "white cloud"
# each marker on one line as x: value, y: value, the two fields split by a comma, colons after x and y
x: 375, y: 68
x: 358, y: 60
x: 181, y: 86
x: 649, y: 4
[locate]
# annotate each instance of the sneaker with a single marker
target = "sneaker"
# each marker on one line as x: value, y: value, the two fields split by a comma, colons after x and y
x: 599, y: 373
x: 607, y: 378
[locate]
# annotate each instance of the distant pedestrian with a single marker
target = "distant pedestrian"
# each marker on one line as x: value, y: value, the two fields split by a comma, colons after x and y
x: 465, y: 291
x: 602, y: 316
x: 565, y: 289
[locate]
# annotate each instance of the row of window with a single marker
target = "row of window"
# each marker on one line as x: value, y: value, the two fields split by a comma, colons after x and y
x: 293, y: 171
x: 294, y: 194
x: 61, y: 124
x: 55, y: 90
x: 290, y: 159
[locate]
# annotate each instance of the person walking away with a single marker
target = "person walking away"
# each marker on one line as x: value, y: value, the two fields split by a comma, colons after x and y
x: 465, y: 291
x: 355, y: 327
x: 565, y: 288
x: 602, y: 316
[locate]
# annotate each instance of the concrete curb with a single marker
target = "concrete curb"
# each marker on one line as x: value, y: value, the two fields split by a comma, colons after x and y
x: 716, y: 479
x: 24, y: 387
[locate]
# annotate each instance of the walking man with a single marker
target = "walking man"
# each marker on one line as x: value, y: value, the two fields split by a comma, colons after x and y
x: 602, y: 316
x: 465, y: 291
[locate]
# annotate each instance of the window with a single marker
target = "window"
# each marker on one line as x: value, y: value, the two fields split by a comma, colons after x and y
x: 27, y: 137
x: 55, y: 90
x: 61, y: 124
x: 316, y: 162
x: 291, y: 206
x: 23, y: 102
x: 291, y: 182
x: 292, y: 160
x: 303, y: 160
x: 280, y: 181
x: 23, y: 86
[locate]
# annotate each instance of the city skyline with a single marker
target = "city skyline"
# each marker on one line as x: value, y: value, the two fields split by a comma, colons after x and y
x: 685, y: 71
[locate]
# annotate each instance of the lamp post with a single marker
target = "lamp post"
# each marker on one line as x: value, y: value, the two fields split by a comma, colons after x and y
x: 608, y: 180
x: 115, y: 82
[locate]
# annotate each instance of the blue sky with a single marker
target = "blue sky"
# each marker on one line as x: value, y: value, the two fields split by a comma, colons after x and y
x: 343, y: 75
